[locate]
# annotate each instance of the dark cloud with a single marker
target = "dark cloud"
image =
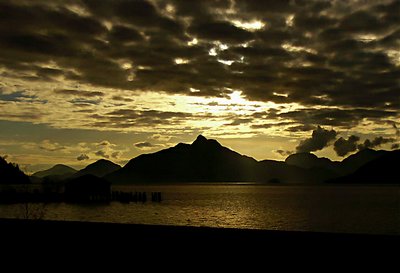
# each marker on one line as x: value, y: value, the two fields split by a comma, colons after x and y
x: 116, y: 154
x: 331, y: 57
x: 267, y: 6
x: 301, y: 128
x: 124, y: 34
x: 144, y: 145
x: 141, y: 13
x: 376, y: 142
x: 283, y: 152
x: 396, y: 129
x: 24, y: 116
x: 82, y: 157
x: 123, y: 99
x: 102, y: 153
x: 240, y: 121
x: 343, y: 147
x: 221, y: 31
x: 267, y: 125
x: 84, y: 102
x: 336, y: 117
x: 79, y: 93
x: 395, y: 146
x: 105, y: 143
x: 125, y: 118
x: 320, y: 139
x: 309, y: 20
x: 16, y: 96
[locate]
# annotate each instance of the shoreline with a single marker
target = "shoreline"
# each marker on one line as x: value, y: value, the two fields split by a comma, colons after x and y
x: 89, y: 230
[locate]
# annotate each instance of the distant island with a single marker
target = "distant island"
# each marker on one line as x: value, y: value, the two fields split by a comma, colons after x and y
x: 206, y: 160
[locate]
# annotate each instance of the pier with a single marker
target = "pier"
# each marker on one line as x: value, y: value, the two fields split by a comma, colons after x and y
x: 11, y: 195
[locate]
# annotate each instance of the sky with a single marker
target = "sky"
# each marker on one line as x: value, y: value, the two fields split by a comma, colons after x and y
x: 82, y: 80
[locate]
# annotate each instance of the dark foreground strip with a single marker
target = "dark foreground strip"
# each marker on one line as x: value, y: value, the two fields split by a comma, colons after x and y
x: 108, y: 232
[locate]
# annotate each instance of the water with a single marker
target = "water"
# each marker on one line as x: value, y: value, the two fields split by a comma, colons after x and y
x: 354, y: 209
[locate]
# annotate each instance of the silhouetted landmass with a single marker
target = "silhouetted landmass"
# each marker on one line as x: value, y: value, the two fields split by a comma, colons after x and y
x: 206, y: 160
x: 309, y: 161
x: 99, y: 168
x: 87, y: 188
x: 59, y: 170
x: 11, y: 174
x: 272, y: 171
x: 54, y: 180
x: 381, y: 170
x: 355, y: 161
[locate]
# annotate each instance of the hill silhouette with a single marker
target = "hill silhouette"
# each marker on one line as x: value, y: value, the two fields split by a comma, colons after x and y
x: 280, y: 172
x: 11, y: 174
x: 56, y: 170
x: 381, y: 170
x: 99, y: 168
x: 330, y: 169
x: 355, y: 161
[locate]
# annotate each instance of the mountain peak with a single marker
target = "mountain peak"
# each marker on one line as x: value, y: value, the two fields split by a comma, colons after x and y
x: 102, y: 163
x: 58, y: 169
x: 203, y: 142
x: 200, y: 139
x: 99, y: 168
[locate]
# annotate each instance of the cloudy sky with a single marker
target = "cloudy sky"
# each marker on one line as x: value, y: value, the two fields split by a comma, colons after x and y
x: 87, y: 79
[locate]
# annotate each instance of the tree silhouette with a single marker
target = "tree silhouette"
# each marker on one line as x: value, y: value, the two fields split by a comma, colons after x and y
x: 10, y: 173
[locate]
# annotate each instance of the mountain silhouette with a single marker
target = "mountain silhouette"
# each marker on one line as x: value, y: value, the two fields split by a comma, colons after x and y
x: 330, y: 169
x: 11, y: 174
x: 355, y: 161
x: 280, y: 172
x: 99, y: 168
x: 58, y: 169
x: 381, y: 170
x: 309, y: 161
x: 205, y: 160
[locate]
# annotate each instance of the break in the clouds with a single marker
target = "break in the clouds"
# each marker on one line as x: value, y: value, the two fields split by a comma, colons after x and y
x: 227, y: 67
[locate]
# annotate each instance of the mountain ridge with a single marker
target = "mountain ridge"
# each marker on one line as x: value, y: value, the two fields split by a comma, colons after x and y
x: 98, y: 168
x: 58, y: 169
x: 206, y: 160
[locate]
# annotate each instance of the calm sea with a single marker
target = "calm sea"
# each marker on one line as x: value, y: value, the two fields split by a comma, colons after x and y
x: 355, y: 209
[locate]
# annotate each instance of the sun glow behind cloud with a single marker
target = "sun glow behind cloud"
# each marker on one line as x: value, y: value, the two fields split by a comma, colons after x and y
x: 253, y: 25
x: 110, y: 109
x: 224, y: 68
